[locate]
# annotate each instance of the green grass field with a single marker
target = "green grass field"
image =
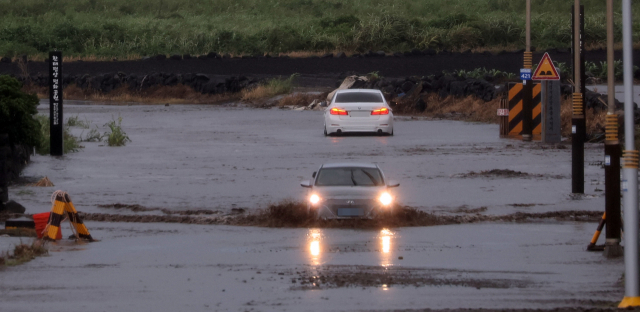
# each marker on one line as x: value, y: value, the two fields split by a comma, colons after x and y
x: 124, y: 28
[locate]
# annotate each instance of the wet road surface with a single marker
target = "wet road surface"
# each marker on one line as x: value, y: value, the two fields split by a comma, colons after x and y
x: 218, y: 158
x: 222, y: 157
x: 169, y: 267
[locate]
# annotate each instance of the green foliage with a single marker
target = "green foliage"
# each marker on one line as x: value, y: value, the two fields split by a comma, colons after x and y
x: 16, y: 113
x: 118, y: 28
x: 74, y: 121
x: 375, y: 75
x: 116, y: 136
x: 480, y: 73
x: 562, y: 67
x: 70, y: 143
x: 281, y: 86
x: 601, y: 70
x: 93, y: 136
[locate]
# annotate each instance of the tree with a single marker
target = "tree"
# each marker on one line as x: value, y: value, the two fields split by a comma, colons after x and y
x: 16, y: 113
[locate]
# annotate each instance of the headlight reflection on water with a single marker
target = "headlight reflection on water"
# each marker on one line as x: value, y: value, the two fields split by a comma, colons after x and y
x: 386, y: 244
x: 385, y: 247
x: 385, y: 238
x: 314, y: 248
x: 314, y: 237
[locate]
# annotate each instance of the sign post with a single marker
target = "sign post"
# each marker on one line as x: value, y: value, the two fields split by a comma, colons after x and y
x: 55, y: 103
x: 548, y: 74
x: 577, y: 119
x: 630, y: 168
x: 612, y: 248
x: 527, y: 90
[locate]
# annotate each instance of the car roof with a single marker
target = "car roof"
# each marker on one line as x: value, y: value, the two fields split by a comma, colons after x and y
x: 359, y: 90
x: 341, y: 165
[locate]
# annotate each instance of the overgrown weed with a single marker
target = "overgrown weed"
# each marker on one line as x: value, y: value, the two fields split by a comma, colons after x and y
x: 74, y: 121
x: 116, y: 136
x: 23, y: 253
x: 270, y: 88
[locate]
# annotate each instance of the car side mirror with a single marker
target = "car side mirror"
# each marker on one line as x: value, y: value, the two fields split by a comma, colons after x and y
x: 314, y: 174
x: 305, y: 183
x: 393, y: 183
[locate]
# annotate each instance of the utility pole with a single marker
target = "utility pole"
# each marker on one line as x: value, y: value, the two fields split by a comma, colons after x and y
x: 612, y: 247
x: 527, y: 88
x: 577, y: 119
x: 630, y: 165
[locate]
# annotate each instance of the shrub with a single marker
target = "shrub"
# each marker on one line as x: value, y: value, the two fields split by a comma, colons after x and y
x: 70, y: 143
x: 116, y: 136
x: 16, y: 113
x: 271, y: 88
x: 74, y: 121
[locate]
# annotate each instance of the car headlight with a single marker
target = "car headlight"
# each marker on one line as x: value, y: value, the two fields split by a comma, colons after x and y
x: 314, y: 199
x: 385, y: 198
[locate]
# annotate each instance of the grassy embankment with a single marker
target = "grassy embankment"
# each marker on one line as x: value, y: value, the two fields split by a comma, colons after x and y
x: 105, y: 29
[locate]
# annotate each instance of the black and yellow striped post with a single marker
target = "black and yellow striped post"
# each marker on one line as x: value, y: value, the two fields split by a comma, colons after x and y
x: 612, y: 186
x: 516, y: 109
x: 577, y: 142
x: 76, y: 221
x: 527, y: 97
x: 578, y: 124
x: 55, y: 217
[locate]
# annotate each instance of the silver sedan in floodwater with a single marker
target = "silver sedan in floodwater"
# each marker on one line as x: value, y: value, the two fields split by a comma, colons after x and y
x: 349, y: 190
x: 358, y: 110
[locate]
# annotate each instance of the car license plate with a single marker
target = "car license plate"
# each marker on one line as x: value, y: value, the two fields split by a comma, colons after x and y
x: 350, y: 212
x: 360, y: 113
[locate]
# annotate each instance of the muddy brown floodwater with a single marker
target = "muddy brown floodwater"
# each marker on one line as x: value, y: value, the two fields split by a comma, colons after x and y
x: 182, y: 214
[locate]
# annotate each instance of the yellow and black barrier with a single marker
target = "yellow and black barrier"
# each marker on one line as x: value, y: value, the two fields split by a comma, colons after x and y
x: 515, y: 109
x: 62, y: 206
x: 592, y: 245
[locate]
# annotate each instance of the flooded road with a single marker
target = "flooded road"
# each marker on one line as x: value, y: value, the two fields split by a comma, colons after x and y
x: 218, y: 158
x: 222, y: 158
x: 169, y: 267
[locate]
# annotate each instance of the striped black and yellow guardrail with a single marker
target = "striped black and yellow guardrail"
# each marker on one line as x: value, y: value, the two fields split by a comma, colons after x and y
x: 515, y: 109
x: 62, y: 206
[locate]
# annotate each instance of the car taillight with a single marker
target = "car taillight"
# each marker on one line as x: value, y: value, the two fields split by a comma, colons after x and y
x: 380, y: 111
x: 338, y: 111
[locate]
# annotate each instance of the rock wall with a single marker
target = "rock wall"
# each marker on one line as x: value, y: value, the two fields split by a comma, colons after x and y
x: 105, y: 83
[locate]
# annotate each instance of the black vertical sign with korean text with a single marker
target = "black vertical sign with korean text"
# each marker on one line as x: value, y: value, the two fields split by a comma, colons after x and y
x: 55, y: 102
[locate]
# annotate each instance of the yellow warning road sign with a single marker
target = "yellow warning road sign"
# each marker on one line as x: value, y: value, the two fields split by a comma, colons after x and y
x: 546, y: 70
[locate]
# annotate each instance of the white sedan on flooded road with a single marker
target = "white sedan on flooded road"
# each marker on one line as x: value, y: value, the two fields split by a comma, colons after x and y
x: 349, y: 190
x: 358, y: 110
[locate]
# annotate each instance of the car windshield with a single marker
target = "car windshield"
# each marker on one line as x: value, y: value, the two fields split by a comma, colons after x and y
x: 359, y: 97
x: 349, y: 176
